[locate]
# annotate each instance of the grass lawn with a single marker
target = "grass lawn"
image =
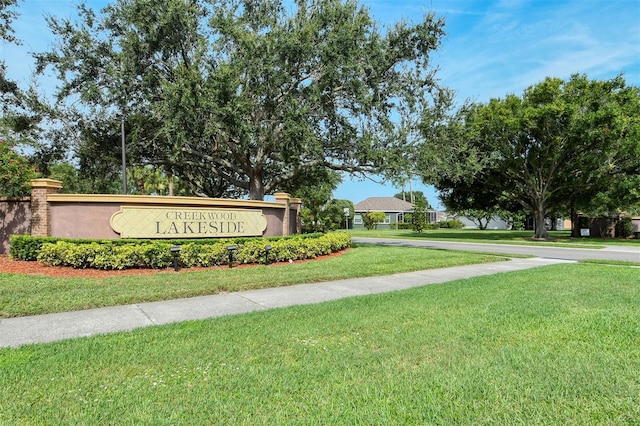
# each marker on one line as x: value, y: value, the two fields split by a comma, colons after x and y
x: 552, y: 345
x: 22, y: 295
x: 495, y: 236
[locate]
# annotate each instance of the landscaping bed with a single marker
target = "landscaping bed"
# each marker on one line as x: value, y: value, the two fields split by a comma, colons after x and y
x: 140, y: 254
x: 23, y: 267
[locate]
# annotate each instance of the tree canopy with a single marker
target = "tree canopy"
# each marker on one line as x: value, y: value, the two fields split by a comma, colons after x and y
x: 414, y: 196
x: 8, y: 89
x: 315, y: 198
x: 242, y: 96
x: 562, y: 145
x: 15, y: 173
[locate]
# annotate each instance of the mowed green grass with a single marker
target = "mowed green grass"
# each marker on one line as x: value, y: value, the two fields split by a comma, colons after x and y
x: 22, y: 295
x: 551, y: 345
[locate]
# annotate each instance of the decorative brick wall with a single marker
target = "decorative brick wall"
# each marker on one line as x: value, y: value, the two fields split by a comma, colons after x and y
x: 40, y: 212
x: 295, y: 205
x: 15, y: 219
x: 284, y: 198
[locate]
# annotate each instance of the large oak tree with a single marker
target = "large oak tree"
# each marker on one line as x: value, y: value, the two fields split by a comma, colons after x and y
x: 244, y: 96
x: 562, y: 145
x: 9, y: 90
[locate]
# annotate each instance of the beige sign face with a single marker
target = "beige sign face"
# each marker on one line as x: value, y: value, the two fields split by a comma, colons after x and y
x: 150, y: 222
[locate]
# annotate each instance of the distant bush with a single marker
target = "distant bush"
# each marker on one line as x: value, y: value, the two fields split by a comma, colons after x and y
x: 126, y: 254
x: 451, y: 224
x: 371, y: 219
x: 419, y: 217
x: 624, y: 227
x: 400, y: 225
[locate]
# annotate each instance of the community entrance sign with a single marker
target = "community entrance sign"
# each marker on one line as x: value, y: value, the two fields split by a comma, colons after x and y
x: 188, y: 222
x: 48, y: 213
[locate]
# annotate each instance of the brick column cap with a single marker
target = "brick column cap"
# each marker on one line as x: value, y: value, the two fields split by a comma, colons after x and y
x: 45, y: 184
x: 282, y: 197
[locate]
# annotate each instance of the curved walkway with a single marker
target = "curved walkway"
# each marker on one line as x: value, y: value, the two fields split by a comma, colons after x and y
x: 15, y: 332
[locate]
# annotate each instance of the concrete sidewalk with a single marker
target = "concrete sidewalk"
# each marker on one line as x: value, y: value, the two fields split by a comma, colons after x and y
x: 68, y: 325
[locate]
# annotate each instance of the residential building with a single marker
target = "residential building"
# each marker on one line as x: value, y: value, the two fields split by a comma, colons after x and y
x: 393, y: 208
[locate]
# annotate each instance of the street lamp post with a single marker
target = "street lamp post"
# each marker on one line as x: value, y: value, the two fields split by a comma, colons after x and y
x: 124, y: 157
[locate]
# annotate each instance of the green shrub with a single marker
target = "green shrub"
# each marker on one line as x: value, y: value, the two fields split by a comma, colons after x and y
x: 420, y: 216
x: 26, y: 247
x: 371, y: 219
x: 284, y: 250
x: 337, y: 240
x: 250, y: 252
x: 53, y: 253
x: 105, y: 256
x: 624, y: 227
x: 452, y: 224
x: 116, y: 254
x: 206, y: 255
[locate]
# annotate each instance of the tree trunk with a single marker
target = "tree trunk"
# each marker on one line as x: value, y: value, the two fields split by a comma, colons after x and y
x: 575, y: 223
x: 540, y: 228
x: 256, y: 188
x: 413, y: 200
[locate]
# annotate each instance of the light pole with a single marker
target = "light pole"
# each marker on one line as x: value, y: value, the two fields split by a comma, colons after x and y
x: 124, y: 156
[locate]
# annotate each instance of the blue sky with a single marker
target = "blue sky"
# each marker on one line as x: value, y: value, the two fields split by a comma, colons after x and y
x: 492, y: 48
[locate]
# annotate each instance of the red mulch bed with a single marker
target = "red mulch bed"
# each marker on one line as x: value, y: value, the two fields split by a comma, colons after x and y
x: 12, y: 266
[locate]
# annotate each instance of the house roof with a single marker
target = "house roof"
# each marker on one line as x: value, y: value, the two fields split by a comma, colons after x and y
x: 383, y: 204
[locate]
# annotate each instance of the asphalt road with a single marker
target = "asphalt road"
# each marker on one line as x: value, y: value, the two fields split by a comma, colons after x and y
x: 625, y: 253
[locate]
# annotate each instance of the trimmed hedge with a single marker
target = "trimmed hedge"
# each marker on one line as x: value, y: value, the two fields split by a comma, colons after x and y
x: 106, y: 256
x: 26, y: 247
x: 126, y: 254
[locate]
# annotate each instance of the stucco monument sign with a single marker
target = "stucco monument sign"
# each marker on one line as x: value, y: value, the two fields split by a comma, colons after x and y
x: 187, y: 222
x: 49, y: 213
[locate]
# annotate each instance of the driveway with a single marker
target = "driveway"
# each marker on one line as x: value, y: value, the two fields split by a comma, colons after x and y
x: 625, y: 253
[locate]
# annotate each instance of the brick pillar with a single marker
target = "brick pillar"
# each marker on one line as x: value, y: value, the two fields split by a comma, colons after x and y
x: 40, y: 215
x: 296, y: 206
x: 283, y: 198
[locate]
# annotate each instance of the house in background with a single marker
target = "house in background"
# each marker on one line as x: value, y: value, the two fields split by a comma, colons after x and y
x: 393, y: 208
x: 495, y: 222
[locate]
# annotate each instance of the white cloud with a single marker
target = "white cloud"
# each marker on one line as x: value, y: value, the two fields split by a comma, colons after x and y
x: 513, y: 45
